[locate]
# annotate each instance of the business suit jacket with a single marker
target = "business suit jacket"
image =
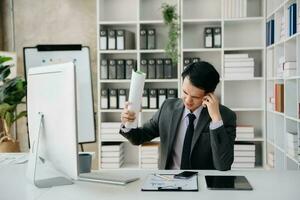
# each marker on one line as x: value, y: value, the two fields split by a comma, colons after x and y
x: 211, y: 149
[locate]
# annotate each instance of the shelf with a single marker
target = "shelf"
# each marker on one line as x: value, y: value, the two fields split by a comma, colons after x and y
x: 152, y: 51
x: 293, y: 37
x: 201, y: 49
x: 117, y: 51
x: 161, y: 80
x: 243, y: 48
x: 278, y: 8
x: 111, y: 110
x: 115, y: 81
x: 250, y: 140
x: 292, y: 118
x: 277, y: 113
x: 244, y: 19
x: 200, y: 20
x: 247, y: 109
x: 117, y: 23
x: 246, y: 79
x: 151, y: 22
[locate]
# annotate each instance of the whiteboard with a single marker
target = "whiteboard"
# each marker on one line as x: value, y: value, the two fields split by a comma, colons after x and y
x: 54, y: 54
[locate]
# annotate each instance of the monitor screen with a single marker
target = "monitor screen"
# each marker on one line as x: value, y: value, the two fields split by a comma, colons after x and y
x: 51, y: 91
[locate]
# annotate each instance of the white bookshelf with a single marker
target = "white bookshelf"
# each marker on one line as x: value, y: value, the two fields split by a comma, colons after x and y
x: 280, y: 123
x: 239, y: 35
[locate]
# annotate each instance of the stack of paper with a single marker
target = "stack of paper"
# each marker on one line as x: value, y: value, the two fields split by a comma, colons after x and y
x: 292, y: 144
x: 112, y: 155
x: 244, y: 155
x: 238, y: 66
x: 149, y: 155
x: 109, y: 131
x: 270, y: 159
x: 244, y: 132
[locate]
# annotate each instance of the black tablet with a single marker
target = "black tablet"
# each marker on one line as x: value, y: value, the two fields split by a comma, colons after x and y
x: 227, y: 183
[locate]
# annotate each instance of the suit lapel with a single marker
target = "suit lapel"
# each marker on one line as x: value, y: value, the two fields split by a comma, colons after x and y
x: 176, y: 117
x: 202, y: 121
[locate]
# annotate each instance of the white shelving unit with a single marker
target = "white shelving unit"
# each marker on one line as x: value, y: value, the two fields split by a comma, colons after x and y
x: 280, y: 123
x: 239, y: 35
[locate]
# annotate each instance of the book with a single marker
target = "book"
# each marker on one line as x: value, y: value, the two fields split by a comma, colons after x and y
x: 244, y: 153
x: 171, y: 93
x: 217, y: 37
x: 162, y: 96
x: 122, y: 98
x: 208, y: 37
x: 129, y: 67
x: 125, y: 39
x: 112, y: 146
x: 167, y: 69
x: 145, y: 99
x: 238, y: 159
x: 112, y: 69
x: 103, y: 40
x: 151, y: 39
x: 144, y: 66
x: 120, y: 69
x: 104, y: 99
x: 111, y: 40
x: 152, y: 98
x: 151, y: 69
x: 113, y: 101
x: 143, y: 39
x: 104, y: 69
x: 243, y: 165
x: 159, y: 69
x: 244, y: 146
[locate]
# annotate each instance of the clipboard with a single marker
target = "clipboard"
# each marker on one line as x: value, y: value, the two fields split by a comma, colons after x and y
x: 167, y: 182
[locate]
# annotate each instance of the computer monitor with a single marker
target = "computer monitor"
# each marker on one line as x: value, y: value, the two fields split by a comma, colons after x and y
x: 52, y: 123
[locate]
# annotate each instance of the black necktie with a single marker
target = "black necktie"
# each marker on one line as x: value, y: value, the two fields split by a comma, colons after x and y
x: 186, y: 150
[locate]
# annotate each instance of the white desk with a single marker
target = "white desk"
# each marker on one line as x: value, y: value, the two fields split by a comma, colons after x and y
x: 267, y: 185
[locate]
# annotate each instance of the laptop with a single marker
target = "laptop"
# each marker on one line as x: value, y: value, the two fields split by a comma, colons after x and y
x: 117, y: 178
x: 227, y: 183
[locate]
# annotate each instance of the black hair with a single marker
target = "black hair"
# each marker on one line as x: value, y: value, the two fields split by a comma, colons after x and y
x: 202, y: 75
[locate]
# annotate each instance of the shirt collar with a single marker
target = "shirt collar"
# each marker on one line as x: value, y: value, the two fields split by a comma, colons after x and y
x: 196, y: 112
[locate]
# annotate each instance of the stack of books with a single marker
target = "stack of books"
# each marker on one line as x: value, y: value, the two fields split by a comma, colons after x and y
x: 270, y: 159
x: 235, y: 8
x: 244, y: 132
x: 289, y: 69
x: 244, y: 155
x: 238, y: 66
x: 149, y: 155
x: 292, y: 144
x: 112, y: 155
x: 281, y: 25
x: 109, y: 131
x: 279, y: 97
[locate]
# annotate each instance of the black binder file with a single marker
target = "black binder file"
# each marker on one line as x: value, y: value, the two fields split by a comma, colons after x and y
x: 152, y: 98
x: 125, y: 39
x: 208, y: 38
x: 103, y: 69
x: 159, y: 69
x: 143, y: 39
x: 162, y: 95
x: 144, y: 67
x: 111, y: 39
x: 194, y: 60
x: 186, y: 61
x: 151, y: 69
x: 130, y: 65
x: 145, y: 99
x: 217, y: 37
x: 151, y: 39
x: 172, y: 93
x: 121, y: 98
x: 112, y: 69
x: 103, y: 40
x: 120, y: 69
x: 104, y: 99
x: 168, y: 68
x: 113, y: 102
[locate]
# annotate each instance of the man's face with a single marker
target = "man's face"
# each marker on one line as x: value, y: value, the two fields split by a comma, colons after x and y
x: 191, y: 95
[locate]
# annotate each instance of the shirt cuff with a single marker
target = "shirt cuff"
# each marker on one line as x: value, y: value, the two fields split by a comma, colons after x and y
x: 124, y: 129
x: 215, y: 125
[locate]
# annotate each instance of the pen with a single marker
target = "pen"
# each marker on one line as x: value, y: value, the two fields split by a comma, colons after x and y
x: 163, y: 177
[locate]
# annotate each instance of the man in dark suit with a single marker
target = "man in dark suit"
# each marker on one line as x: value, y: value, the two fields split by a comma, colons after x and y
x: 196, y: 132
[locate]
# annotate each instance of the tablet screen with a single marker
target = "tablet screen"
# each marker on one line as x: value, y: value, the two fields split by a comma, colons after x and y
x: 227, y: 183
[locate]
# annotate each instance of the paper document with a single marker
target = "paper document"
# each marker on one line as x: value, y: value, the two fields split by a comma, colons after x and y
x: 167, y: 182
x: 135, y: 96
x: 13, y: 158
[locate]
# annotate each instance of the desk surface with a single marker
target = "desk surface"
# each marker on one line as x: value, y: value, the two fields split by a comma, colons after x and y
x: 267, y: 185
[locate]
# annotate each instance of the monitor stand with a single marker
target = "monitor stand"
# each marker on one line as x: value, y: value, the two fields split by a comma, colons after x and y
x: 33, y: 160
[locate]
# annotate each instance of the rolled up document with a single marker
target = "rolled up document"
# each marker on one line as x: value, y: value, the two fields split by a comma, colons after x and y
x: 135, y: 96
